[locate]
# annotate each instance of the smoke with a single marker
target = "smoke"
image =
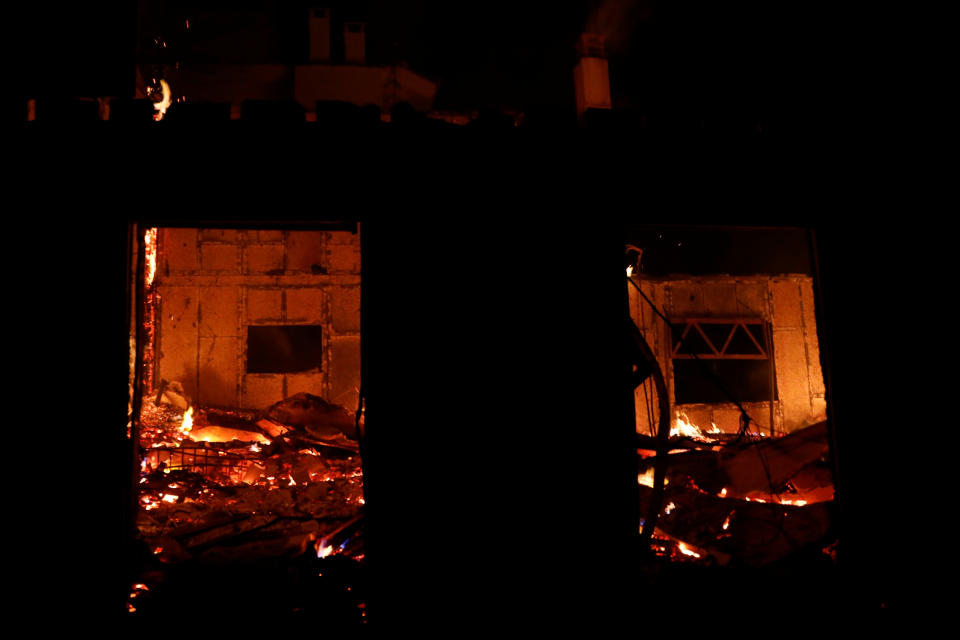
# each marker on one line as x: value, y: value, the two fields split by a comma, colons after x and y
x: 616, y: 19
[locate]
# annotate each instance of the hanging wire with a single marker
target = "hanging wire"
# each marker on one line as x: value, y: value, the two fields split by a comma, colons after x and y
x: 647, y: 401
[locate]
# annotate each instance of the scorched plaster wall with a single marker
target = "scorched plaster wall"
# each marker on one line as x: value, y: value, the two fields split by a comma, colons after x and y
x: 215, y: 283
x: 786, y: 302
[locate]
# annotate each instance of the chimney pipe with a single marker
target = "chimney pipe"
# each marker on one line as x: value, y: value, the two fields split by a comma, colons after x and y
x: 319, y: 21
x: 355, y: 43
x: 591, y: 75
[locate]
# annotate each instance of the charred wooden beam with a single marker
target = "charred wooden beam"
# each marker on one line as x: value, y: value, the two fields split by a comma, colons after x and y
x: 755, y: 533
x: 284, y: 538
x: 223, y: 533
x: 764, y: 465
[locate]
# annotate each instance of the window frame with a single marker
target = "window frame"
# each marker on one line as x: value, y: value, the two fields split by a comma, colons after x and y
x: 692, y: 323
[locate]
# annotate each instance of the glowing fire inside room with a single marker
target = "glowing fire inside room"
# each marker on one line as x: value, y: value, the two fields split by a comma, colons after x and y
x: 247, y: 428
x: 250, y: 426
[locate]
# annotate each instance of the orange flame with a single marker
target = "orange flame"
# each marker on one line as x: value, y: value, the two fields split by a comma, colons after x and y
x: 726, y: 523
x: 796, y: 503
x: 687, y: 551
x: 323, y: 549
x: 162, y: 106
x: 187, y: 425
x: 646, y: 478
x: 683, y: 427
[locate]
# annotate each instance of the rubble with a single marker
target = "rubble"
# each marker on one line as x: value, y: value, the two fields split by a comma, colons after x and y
x: 313, y: 416
x: 224, y: 490
x: 753, y: 533
x: 752, y: 502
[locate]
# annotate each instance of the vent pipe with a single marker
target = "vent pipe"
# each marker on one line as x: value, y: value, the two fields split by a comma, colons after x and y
x: 319, y: 21
x: 355, y: 43
x: 591, y: 76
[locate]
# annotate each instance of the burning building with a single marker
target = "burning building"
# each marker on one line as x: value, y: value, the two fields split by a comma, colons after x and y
x: 758, y: 333
x: 246, y: 357
x: 509, y: 444
x: 728, y: 362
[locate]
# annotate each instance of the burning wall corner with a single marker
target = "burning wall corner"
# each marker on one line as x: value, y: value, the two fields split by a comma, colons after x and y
x: 222, y: 290
x: 735, y: 321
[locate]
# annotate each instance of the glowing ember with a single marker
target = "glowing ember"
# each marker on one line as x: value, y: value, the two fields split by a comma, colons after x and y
x: 169, y: 498
x: 226, y: 434
x: 141, y: 587
x: 157, y: 550
x: 670, y: 507
x: 629, y: 271
x: 150, y: 249
x: 254, y: 448
x: 131, y: 608
x: 162, y: 106
x: 723, y: 492
x: 187, y: 425
x: 726, y: 523
x: 687, y: 551
x: 292, y: 482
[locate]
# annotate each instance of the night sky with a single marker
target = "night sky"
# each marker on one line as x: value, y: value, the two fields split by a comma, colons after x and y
x: 689, y: 58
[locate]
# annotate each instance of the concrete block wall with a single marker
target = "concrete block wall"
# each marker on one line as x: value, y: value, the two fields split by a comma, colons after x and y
x: 784, y: 301
x: 215, y: 283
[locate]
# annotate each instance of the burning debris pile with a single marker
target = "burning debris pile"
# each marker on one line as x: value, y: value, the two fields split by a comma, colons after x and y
x: 746, y: 499
x: 217, y: 486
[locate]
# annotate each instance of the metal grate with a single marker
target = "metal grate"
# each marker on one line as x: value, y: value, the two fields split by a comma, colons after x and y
x: 203, y: 460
